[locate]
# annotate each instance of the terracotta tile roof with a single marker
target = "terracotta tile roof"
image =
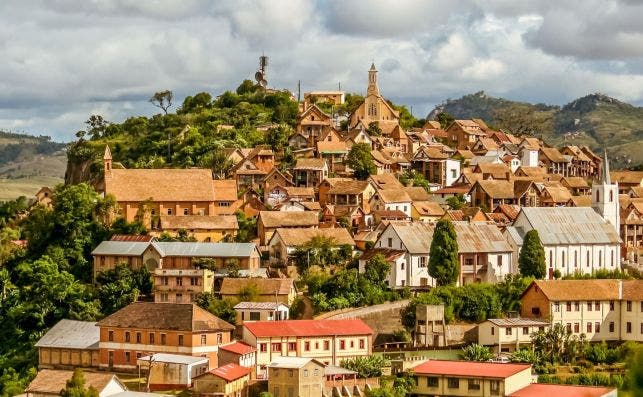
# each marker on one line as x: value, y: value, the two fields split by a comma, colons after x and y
x: 52, y: 381
x: 470, y: 369
x: 311, y: 205
x: 160, y: 184
x: 462, y: 189
x: 487, y: 143
x: 497, y: 189
x: 334, y: 181
x: 532, y: 171
x: 230, y: 372
x: 558, y: 194
x: 633, y: 290
x: 575, y: 150
x: 238, y: 348
x: 466, y: 154
x: 417, y: 193
x: 497, y: 170
x: 308, y: 328
x: 553, y: 154
x: 629, y: 177
x: 574, y: 182
x: 265, y: 286
x: 543, y: 389
x: 386, y: 181
x: 225, y: 190
x: 393, y: 196
x: 566, y: 290
x: 380, y: 157
x: 582, y: 201
x: 300, y: 191
x: 199, y: 222
x: 637, y: 191
x: 140, y: 238
x: 428, y: 208
x: 310, y: 164
x: 325, y: 146
x: 274, y: 219
x: 297, y: 237
x: 510, y: 210
x: 348, y: 186
x: 165, y: 316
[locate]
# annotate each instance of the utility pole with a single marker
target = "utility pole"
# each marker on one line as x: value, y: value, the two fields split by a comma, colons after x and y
x: 299, y: 91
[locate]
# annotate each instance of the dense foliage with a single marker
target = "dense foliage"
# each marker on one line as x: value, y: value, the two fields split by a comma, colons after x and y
x: 321, y: 251
x: 531, y: 261
x: 476, y: 352
x: 444, y: 265
x: 366, y: 367
x: 359, y: 159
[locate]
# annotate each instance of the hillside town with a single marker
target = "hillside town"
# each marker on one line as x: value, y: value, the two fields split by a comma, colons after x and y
x: 449, y: 259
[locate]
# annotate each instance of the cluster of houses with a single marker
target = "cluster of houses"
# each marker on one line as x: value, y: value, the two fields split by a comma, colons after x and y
x: 588, y: 218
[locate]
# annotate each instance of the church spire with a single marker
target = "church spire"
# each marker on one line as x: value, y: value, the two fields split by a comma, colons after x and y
x: 372, y: 81
x: 107, y: 161
x: 606, y: 170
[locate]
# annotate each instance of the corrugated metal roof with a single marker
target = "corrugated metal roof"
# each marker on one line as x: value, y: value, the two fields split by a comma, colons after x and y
x: 205, y: 249
x: 570, y: 225
x: 121, y: 248
x: 259, y: 305
x: 517, y: 322
x: 173, y: 358
x: 72, y: 334
x: 515, y: 235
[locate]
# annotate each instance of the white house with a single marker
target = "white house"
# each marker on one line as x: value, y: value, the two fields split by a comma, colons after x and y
x: 575, y: 239
x: 391, y: 200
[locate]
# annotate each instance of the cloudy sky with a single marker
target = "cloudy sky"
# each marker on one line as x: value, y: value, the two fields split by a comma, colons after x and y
x: 62, y: 60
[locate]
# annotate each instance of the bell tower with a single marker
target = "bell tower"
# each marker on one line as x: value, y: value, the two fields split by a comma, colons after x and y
x: 107, y: 161
x: 372, y: 81
x: 605, y: 197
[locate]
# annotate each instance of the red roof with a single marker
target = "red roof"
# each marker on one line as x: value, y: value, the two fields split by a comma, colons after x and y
x: 238, y: 348
x: 541, y: 389
x: 308, y: 328
x: 470, y: 368
x: 131, y: 237
x: 230, y: 372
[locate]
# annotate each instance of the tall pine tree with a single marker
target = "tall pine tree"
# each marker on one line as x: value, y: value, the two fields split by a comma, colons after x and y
x: 444, y: 265
x: 531, y: 261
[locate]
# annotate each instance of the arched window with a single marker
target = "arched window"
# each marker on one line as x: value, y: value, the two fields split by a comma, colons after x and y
x: 611, y: 196
x: 587, y: 264
x: 551, y: 258
x: 575, y: 258
x: 612, y: 256
x: 598, y: 196
x: 600, y: 258
x: 562, y: 260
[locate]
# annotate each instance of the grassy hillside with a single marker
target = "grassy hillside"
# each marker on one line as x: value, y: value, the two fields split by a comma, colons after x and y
x: 27, y: 163
x: 595, y: 120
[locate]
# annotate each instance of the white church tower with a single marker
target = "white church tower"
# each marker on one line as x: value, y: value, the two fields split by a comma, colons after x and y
x: 605, y: 197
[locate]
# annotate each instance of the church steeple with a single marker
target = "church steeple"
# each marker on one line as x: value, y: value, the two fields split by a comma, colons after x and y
x: 606, y: 170
x: 372, y: 81
x: 605, y: 197
x: 107, y: 161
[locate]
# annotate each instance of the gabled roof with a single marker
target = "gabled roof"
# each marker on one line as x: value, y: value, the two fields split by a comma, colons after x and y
x: 308, y: 328
x: 475, y: 237
x: 428, y: 208
x: 165, y: 316
x: 121, y: 248
x: 470, y: 369
x: 544, y: 389
x: 558, y: 194
x: 553, y: 155
x: 238, y: 348
x: 496, y: 189
x: 167, y: 184
x: 575, y: 182
x: 132, y: 237
x: 348, y: 186
x: 393, y: 196
x: 265, y: 286
x: 581, y: 201
x: 497, y: 170
x: 565, y: 290
x: 417, y: 193
x: 259, y: 306
x: 385, y: 181
x: 415, y: 236
x: 71, y: 334
x: 388, y: 253
x: 517, y: 322
x: 629, y: 177
x: 230, y: 372
x: 274, y: 219
x: 310, y: 164
x: 225, y: 189
x: 294, y: 191
x: 298, y: 237
x: 569, y: 225
x: 291, y: 362
x: 209, y: 250
x: 52, y: 381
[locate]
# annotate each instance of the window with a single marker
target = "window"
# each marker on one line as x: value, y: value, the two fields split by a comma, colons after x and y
x: 255, y: 316
x: 611, y: 305
x: 163, y: 339
x: 568, y: 326
x: 576, y: 306
x: 641, y: 306
x: 628, y: 305
x: 179, y: 298
x: 110, y: 336
x: 402, y: 266
x: 587, y: 264
x: 194, y: 281
x: 597, y: 305
x: 641, y: 328
x: 151, y: 339
x: 453, y: 383
x: 204, y: 339
x: 326, y: 345
x: 179, y: 281
x: 589, y: 327
x: 628, y: 327
x: 576, y: 258
x: 276, y: 347
x: 305, y: 373
x: 169, y: 211
x: 589, y: 306
x: 611, y: 326
x: 569, y: 306
x: 576, y: 328
x: 494, y: 386
x: 127, y: 357
x: 551, y: 258
x: 423, y: 261
x: 127, y: 336
x: 316, y: 345
x: 362, y: 344
x: 291, y: 373
x: 474, y: 384
x: 597, y: 327
x: 390, y: 242
x: 342, y: 345
x: 525, y: 330
x: 219, y: 339
x: 556, y: 307
x: 493, y: 330
x: 307, y: 346
x: 185, y: 211
x: 352, y: 344
x: 315, y: 372
x: 263, y: 347
x: 432, y: 381
x: 164, y: 280
x: 180, y: 340
x: 139, y: 337
x: 508, y: 331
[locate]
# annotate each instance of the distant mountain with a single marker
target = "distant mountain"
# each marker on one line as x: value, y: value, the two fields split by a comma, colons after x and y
x: 595, y: 120
x: 29, y: 162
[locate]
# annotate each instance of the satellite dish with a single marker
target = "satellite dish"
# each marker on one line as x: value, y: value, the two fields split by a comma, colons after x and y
x: 263, y: 83
x: 259, y: 77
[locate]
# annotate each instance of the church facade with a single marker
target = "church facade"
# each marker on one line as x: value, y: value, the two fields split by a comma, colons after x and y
x: 375, y: 109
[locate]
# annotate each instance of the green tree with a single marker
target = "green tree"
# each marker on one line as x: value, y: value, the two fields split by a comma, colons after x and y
x: 445, y: 119
x: 366, y: 367
x: 222, y: 308
x: 635, y: 371
x: 219, y: 163
x: 374, y: 129
x: 531, y: 261
x: 456, y: 202
x: 277, y: 137
x: 444, y: 264
x: 247, y: 228
x: 476, y: 352
x: 121, y: 286
x: 525, y: 356
x: 75, y: 387
x: 360, y: 160
x: 162, y: 100
x: 247, y: 87
x: 377, y: 271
